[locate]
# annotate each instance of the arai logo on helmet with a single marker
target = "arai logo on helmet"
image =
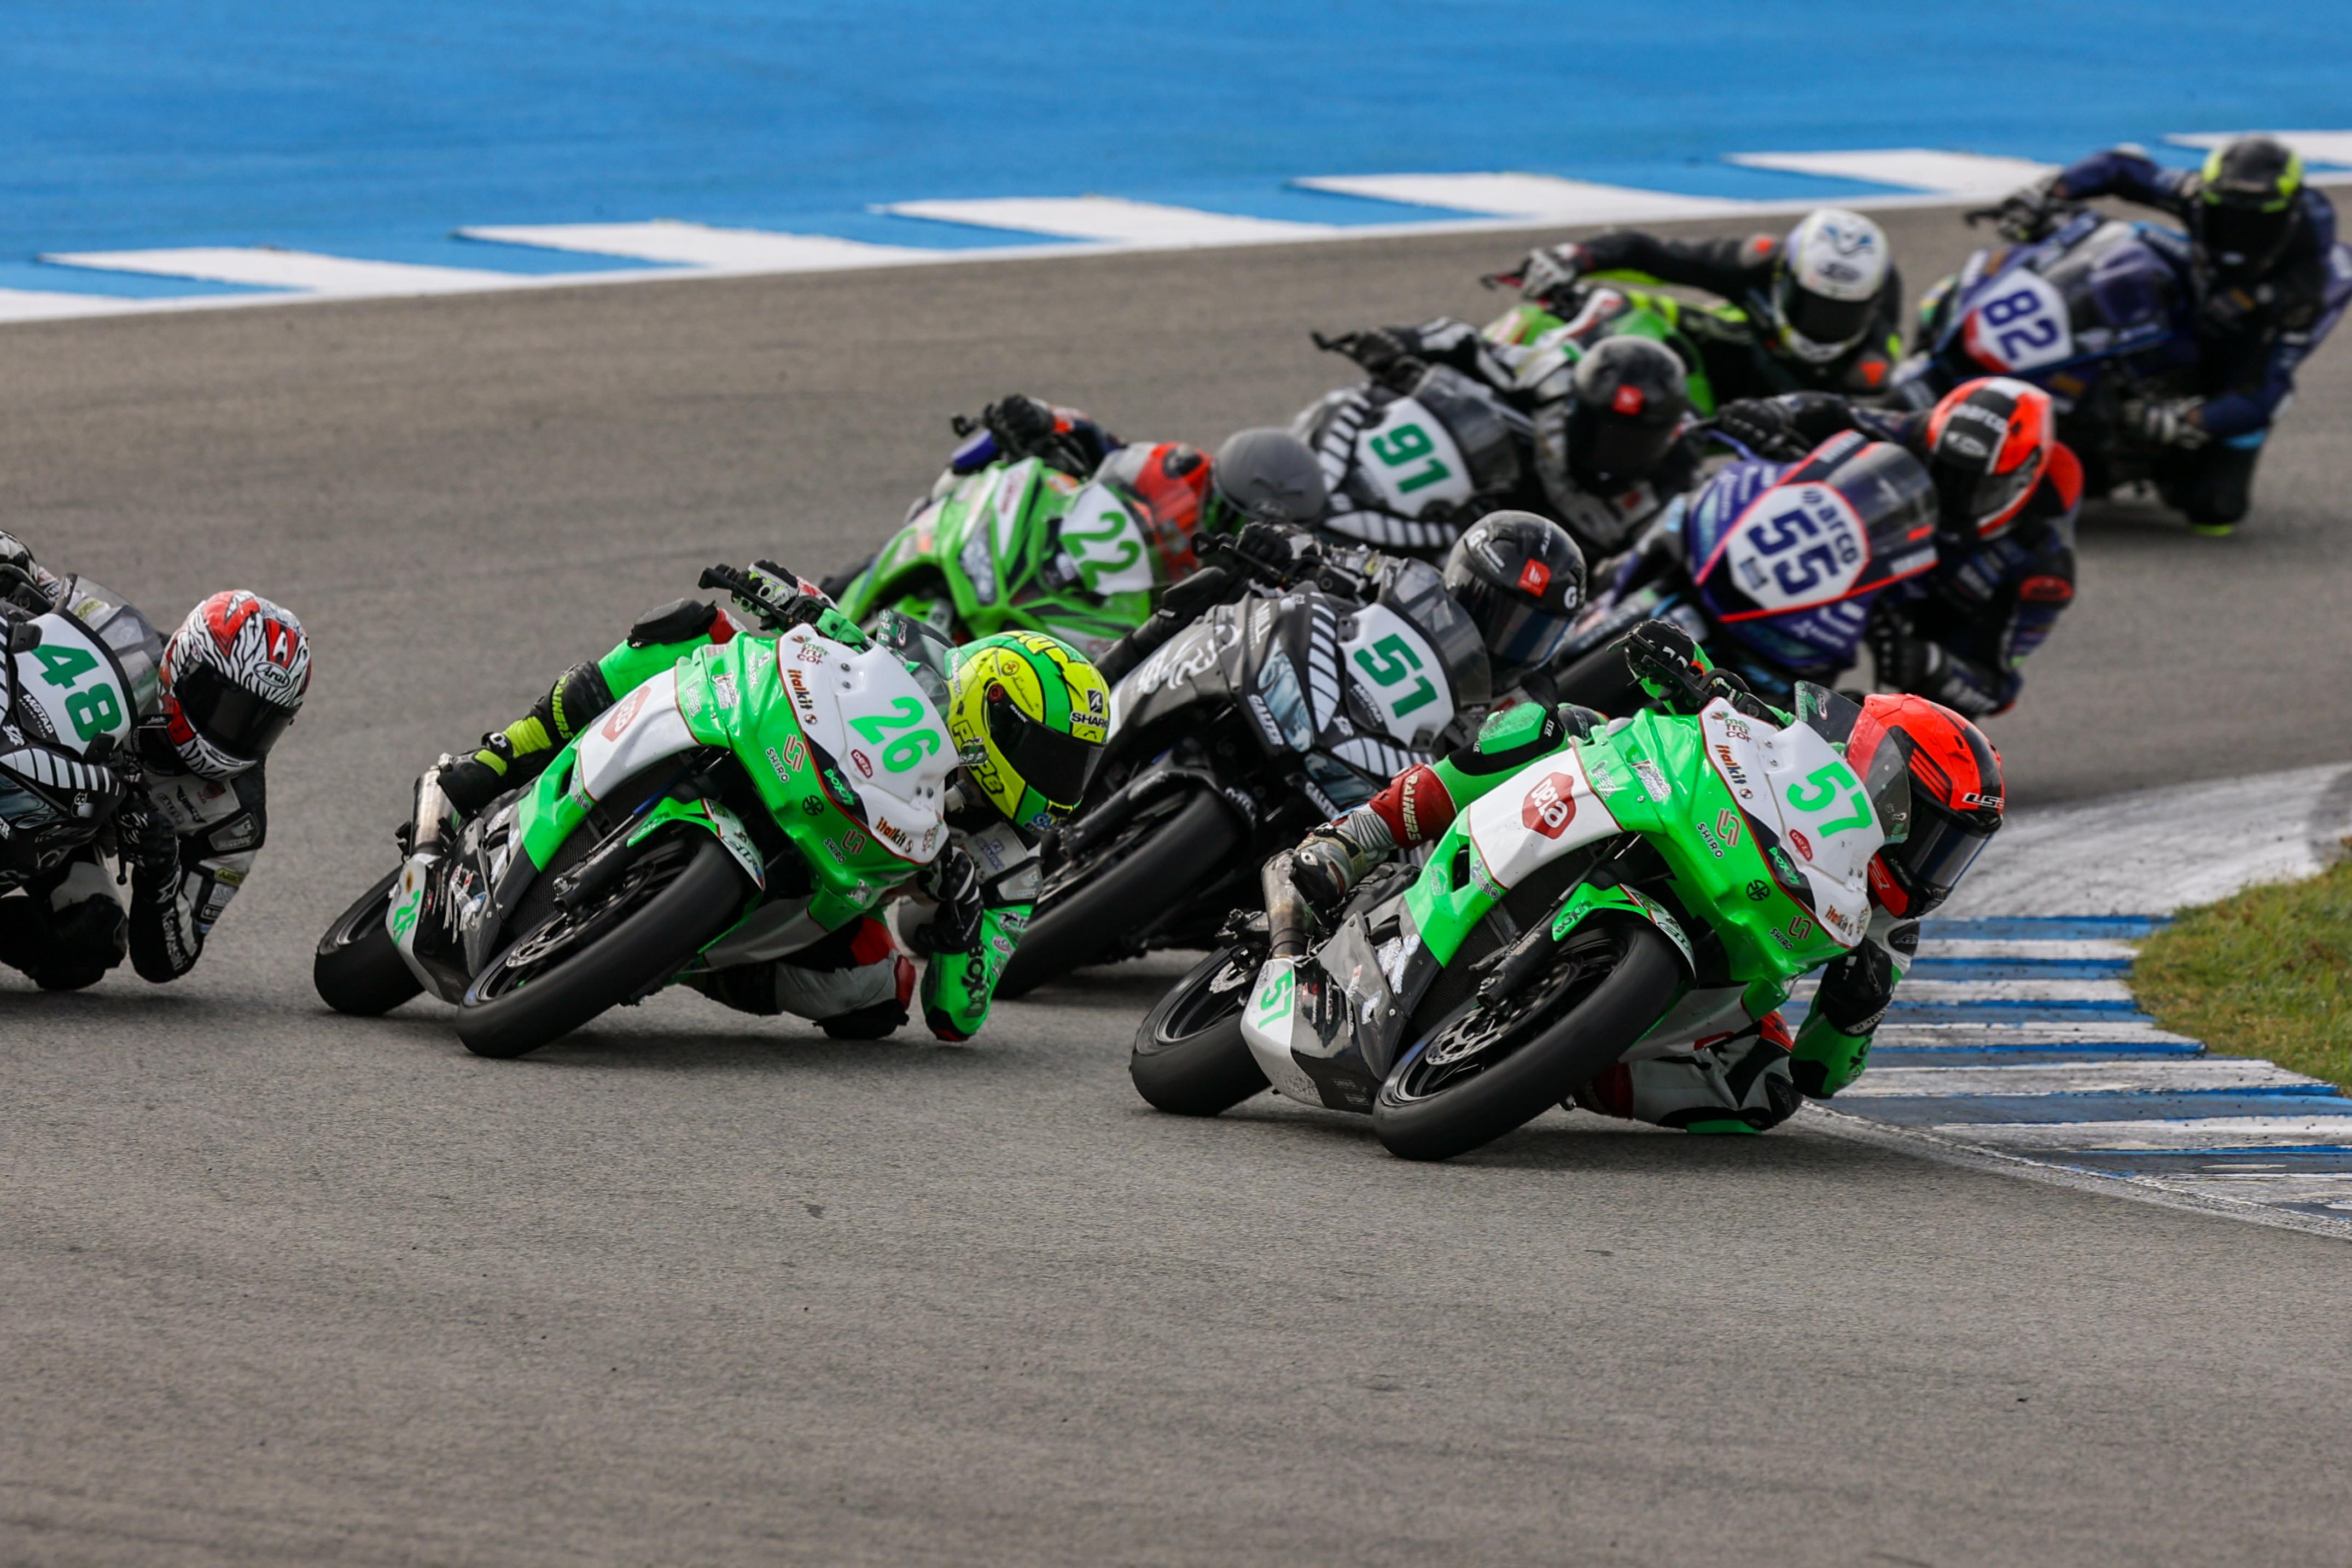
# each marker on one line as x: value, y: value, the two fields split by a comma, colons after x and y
x: 1550, y: 806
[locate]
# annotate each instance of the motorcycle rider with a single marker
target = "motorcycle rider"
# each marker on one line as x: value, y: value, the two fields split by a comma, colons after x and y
x: 1817, y: 309
x: 1609, y: 426
x: 1183, y: 493
x: 1027, y: 714
x: 2007, y: 493
x: 231, y: 679
x: 2268, y: 280
x: 1754, y: 1077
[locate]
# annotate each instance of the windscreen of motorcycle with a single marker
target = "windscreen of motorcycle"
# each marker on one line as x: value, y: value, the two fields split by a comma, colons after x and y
x: 1198, y: 665
x: 1792, y: 555
x: 137, y: 646
x: 1416, y: 590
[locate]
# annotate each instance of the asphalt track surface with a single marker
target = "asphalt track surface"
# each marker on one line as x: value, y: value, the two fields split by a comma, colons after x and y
x: 693, y: 1288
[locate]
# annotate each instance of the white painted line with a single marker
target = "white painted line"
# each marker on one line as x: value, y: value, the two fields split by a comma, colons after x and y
x: 701, y: 244
x: 1112, y: 220
x: 2331, y: 1189
x: 2316, y: 146
x: 35, y: 305
x: 302, y: 269
x: 1914, y: 168
x: 1940, y: 993
x: 2189, y: 1133
x: 2026, y: 1034
x: 2187, y: 1075
x: 1545, y: 197
x: 1978, y: 947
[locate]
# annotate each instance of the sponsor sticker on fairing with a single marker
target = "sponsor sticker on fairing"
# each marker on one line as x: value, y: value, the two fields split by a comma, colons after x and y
x: 1653, y: 782
x: 1550, y: 806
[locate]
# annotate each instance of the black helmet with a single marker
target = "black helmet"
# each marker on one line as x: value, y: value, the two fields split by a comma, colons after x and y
x: 1521, y: 578
x: 1630, y: 398
x: 2246, y: 207
x: 1267, y: 474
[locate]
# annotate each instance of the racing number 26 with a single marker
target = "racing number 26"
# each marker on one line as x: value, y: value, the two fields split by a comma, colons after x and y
x: 1822, y: 785
x: 94, y: 711
x: 1410, y: 443
x: 907, y: 749
x: 1397, y: 659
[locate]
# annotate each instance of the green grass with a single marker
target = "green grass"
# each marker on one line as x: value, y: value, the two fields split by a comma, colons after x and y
x: 2266, y: 972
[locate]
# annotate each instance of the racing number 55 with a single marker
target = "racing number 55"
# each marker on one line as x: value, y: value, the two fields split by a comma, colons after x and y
x: 94, y: 710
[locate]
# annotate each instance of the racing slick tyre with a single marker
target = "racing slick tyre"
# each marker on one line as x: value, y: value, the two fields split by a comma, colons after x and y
x: 1474, y: 1073
x: 1190, y: 1058
x: 570, y: 965
x: 1090, y: 906
x: 357, y: 969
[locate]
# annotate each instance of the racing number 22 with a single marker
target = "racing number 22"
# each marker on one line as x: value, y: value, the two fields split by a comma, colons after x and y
x: 1410, y: 443
x: 94, y: 711
x: 907, y: 749
x: 1397, y: 659
x: 1820, y: 787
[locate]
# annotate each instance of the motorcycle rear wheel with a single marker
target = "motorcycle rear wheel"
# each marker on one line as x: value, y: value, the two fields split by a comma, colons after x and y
x: 358, y: 970
x: 566, y: 967
x: 1190, y: 1058
x: 1474, y: 1075
x: 1143, y: 876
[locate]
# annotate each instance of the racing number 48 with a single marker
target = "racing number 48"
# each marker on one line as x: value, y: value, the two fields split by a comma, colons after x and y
x: 94, y: 711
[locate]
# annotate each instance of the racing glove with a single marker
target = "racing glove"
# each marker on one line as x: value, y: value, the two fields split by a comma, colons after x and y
x: 954, y: 882
x: 774, y: 597
x: 2024, y: 215
x: 1552, y: 269
x: 1763, y: 426
x: 1382, y: 352
x: 2176, y: 422
x: 1670, y: 665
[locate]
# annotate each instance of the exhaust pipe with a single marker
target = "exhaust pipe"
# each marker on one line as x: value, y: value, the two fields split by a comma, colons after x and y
x: 1285, y: 910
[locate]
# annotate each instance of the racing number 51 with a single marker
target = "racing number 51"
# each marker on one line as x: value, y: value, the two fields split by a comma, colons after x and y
x: 1396, y: 662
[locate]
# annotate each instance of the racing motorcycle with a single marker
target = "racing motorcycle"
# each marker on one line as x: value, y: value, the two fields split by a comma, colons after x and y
x: 1009, y: 542
x: 1664, y: 881
x: 1260, y: 719
x: 1414, y: 454
x: 2097, y: 311
x: 1773, y: 569
x: 77, y: 678
x: 708, y: 819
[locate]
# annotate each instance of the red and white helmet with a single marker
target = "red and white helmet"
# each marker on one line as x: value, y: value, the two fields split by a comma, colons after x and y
x: 233, y: 676
x: 1989, y: 441
x: 1955, y: 797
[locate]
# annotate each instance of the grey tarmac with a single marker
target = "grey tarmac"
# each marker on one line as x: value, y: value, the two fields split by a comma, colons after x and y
x: 278, y: 1285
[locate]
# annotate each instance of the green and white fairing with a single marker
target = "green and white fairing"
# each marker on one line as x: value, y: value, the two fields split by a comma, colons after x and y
x: 844, y: 754
x: 1762, y: 837
x: 1017, y: 547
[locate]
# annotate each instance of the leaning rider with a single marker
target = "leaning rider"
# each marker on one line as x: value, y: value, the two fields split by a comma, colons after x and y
x: 2270, y: 280
x: 229, y: 680
x: 1749, y: 1080
x: 1819, y: 310
x: 2007, y: 490
x: 1028, y: 715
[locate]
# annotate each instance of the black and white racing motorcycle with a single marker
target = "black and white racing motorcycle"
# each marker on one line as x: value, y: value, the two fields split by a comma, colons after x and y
x: 1246, y: 728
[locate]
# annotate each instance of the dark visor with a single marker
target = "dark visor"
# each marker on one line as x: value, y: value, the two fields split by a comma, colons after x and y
x: 1983, y: 498
x: 2244, y: 238
x: 228, y: 715
x: 1520, y: 635
x: 1614, y: 447
x: 1055, y: 765
x: 1825, y: 321
x: 1940, y: 850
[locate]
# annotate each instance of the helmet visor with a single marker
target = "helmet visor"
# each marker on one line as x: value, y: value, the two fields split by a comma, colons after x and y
x: 1055, y: 764
x: 1975, y: 504
x: 2245, y: 239
x: 1520, y: 634
x: 1938, y: 853
x: 231, y: 718
x: 1829, y: 322
x: 1614, y: 447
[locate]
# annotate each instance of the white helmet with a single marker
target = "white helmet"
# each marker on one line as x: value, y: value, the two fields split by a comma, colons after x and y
x: 1826, y: 284
x: 233, y: 676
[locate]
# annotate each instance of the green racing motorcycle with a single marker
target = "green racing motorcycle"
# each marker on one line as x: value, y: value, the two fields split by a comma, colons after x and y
x: 1663, y: 880
x: 708, y: 819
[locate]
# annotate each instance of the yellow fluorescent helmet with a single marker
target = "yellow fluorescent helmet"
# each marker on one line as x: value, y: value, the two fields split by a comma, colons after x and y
x: 1029, y: 715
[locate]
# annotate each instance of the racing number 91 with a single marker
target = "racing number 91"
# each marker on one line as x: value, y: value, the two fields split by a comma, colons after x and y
x: 95, y: 710
x: 1410, y: 443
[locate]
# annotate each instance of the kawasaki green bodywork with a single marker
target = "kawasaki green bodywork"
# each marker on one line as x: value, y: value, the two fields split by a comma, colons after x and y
x: 1549, y: 344
x: 1017, y: 547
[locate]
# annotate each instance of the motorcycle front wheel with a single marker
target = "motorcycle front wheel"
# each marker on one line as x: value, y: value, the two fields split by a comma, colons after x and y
x: 1476, y: 1072
x: 1090, y: 907
x: 357, y: 969
x: 1190, y: 1056
x: 569, y: 965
